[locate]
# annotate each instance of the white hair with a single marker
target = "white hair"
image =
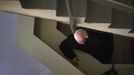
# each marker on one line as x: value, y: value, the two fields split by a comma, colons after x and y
x: 80, y: 34
x: 81, y: 31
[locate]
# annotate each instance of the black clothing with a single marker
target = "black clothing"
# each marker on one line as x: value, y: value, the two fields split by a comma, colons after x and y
x: 99, y: 46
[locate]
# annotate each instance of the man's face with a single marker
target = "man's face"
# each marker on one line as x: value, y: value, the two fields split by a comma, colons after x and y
x: 81, y: 36
x: 81, y: 41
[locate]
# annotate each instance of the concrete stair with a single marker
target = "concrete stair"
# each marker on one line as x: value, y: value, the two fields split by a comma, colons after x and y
x: 52, y: 14
x: 93, y: 11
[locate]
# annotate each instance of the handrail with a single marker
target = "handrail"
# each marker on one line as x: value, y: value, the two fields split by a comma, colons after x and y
x: 117, y: 5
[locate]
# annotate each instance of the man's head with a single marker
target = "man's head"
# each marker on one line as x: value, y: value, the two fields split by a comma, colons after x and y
x: 80, y: 36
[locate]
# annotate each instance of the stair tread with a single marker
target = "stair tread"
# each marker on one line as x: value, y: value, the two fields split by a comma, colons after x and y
x: 78, y: 8
x: 38, y: 4
x: 132, y: 31
x: 98, y: 13
x: 15, y: 7
x: 104, y: 27
x: 121, y: 19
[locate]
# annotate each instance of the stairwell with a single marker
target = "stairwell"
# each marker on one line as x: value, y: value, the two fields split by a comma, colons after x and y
x: 106, y: 21
x: 15, y: 7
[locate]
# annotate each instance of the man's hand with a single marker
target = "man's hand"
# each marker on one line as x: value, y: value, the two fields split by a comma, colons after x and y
x: 75, y: 61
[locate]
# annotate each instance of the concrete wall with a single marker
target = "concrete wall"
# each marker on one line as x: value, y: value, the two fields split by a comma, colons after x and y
x: 44, y: 30
x: 14, y: 60
x: 42, y: 52
x: 123, y: 52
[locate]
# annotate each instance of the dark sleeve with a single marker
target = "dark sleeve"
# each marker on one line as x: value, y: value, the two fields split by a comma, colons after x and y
x: 67, y: 49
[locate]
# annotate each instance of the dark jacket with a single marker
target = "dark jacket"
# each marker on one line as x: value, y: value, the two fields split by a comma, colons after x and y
x: 98, y: 45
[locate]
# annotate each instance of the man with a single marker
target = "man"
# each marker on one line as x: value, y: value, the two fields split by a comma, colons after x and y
x: 93, y: 43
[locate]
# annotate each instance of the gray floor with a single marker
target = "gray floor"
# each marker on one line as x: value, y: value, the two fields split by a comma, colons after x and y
x: 13, y: 59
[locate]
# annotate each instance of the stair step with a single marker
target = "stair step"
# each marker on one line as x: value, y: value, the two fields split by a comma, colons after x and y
x: 78, y: 8
x: 61, y: 9
x: 104, y: 28
x: 121, y: 19
x: 132, y: 31
x: 38, y: 4
x: 15, y: 7
x: 128, y: 2
x: 116, y: 4
x: 98, y: 13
